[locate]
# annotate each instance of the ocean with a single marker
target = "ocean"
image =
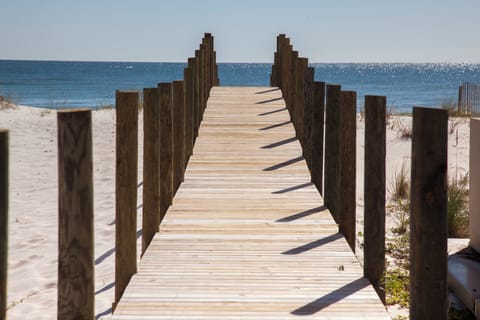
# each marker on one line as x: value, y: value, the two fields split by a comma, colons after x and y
x: 67, y: 84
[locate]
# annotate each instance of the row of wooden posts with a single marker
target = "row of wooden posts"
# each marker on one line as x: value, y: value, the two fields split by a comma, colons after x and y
x: 324, y: 118
x: 469, y: 98
x: 172, y: 115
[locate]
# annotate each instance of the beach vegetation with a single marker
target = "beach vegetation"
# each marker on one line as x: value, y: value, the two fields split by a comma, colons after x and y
x: 397, y: 278
x: 451, y: 106
x: 399, y: 207
x: 404, y: 131
x: 7, y: 102
x: 104, y: 106
x: 458, y: 207
x: 400, y: 185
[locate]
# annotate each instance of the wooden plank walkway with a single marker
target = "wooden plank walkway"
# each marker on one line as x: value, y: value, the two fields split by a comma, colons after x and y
x: 247, y: 236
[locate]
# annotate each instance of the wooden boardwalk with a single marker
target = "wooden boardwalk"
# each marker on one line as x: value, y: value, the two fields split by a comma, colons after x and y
x: 247, y: 236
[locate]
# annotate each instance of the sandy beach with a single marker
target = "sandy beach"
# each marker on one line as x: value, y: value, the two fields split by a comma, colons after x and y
x: 33, y: 201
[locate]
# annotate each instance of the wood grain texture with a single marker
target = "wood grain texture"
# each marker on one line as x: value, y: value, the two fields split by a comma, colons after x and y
x: 309, y: 101
x: 126, y: 106
x: 301, y: 68
x: 151, y: 165
x: 247, y: 236
x: 374, y: 192
x: 166, y: 147
x: 178, y: 106
x: 3, y: 221
x: 76, y: 286
x: 317, y: 134
x: 428, y: 216
x: 188, y: 92
x: 332, y: 148
x: 346, y: 201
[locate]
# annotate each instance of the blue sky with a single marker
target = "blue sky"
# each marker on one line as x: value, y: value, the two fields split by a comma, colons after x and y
x: 244, y: 31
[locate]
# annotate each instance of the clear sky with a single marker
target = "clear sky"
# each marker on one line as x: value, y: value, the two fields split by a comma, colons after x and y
x: 244, y: 31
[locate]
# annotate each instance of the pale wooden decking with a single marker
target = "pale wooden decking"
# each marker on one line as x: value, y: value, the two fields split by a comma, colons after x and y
x: 247, y: 236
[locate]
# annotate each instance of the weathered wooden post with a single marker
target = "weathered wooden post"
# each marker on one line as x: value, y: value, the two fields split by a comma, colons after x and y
x: 318, y: 119
x: 188, y: 93
x: 273, y: 74
x: 287, y: 72
x: 302, y: 66
x: 346, y: 192
x: 151, y: 166
x: 178, y: 105
x: 126, y: 106
x: 203, y: 79
x: 166, y: 147
x: 308, y: 106
x: 374, y: 192
x: 3, y: 221
x: 280, y: 41
x: 76, y: 279
x: 292, y: 90
x: 428, y: 216
x: 215, y: 70
x: 196, y: 93
x: 332, y: 148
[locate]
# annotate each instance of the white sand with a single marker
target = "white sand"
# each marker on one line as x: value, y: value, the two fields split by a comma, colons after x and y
x: 33, y: 230
x: 32, y: 279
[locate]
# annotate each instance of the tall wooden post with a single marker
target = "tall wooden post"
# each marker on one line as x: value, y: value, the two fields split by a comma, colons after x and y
x: 3, y: 221
x: 188, y: 92
x: 273, y: 74
x: 126, y: 106
x: 166, y: 147
x: 178, y: 105
x: 301, y: 66
x: 346, y: 192
x: 215, y: 70
x: 203, y: 80
x: 374, y: 192
x: 151, y: 166
x: 76, y: 279
x: 292, y: 89
x: 308, y: 105
x: 332, y: 148
x: 196, y: 92
x: 428, y: 216
x: 287, y: 73
x: 318, y: 119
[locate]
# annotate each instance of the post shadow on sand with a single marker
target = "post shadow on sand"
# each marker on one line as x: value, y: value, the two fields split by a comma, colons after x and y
x: 111, y: 251
x: 106, y: 288
x: 103, y: 314
x: 290, y: 189
x: 279, y: 143
x: 314, y: 244
x: 267, y: 91
x: 269, y: 100
x: 284, y: 164
x: 273, y: 126
x: 302, y: 214
x: 272, y: 112
x: 331, y: 298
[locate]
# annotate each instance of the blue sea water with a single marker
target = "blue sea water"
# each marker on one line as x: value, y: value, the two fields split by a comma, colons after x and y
x: 66, y: 84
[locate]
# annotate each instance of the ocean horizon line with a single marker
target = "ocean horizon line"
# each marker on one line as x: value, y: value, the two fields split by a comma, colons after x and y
x: 254, y: 62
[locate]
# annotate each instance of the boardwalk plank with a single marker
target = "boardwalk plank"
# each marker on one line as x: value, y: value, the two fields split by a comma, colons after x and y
x: 247, y: 236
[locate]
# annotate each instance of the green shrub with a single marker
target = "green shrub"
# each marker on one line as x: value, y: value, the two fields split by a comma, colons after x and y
x: 458, y: 207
